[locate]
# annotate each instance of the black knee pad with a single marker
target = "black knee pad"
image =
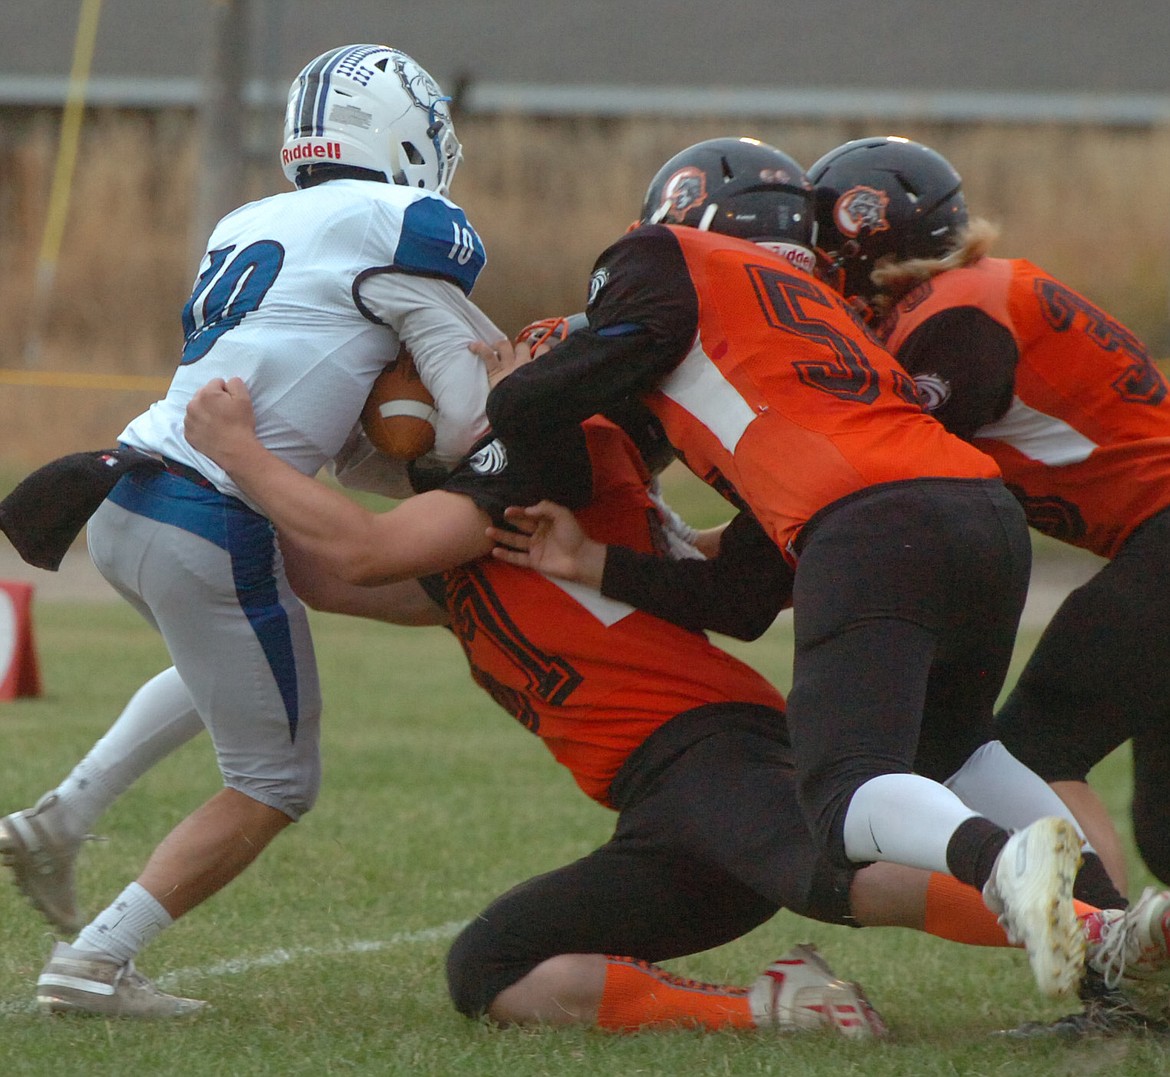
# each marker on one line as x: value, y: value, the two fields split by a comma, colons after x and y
x: 479, y: 967
x: 465, y: 981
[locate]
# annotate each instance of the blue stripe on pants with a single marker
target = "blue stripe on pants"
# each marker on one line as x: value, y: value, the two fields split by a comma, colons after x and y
x: 250, y: 541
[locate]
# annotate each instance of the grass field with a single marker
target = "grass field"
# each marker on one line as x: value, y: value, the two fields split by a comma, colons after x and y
x: 327, y: 956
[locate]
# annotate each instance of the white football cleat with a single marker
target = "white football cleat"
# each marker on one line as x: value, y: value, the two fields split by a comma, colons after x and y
x: 33, y: 844
x: 799, y: 992
x: 1133, y: 943
x: 83, y: 982
x: 1030, y: 889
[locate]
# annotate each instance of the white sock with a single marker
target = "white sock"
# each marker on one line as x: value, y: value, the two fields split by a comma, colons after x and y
x: 905, y: 819
x: 997, y: 785
x: 158, y: 719
x: 126, y: 926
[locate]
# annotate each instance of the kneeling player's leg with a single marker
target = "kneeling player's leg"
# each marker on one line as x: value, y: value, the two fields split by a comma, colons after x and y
x: 545, y: 953
x: 541, y: 952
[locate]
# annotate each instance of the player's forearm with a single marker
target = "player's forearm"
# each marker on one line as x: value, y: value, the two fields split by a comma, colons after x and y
x: 325, y: 523
x: 578, y: 378
x: 738, y: 593
x: 402, y: 603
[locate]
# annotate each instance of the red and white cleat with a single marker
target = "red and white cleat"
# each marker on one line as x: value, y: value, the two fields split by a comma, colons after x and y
x: 799, y: 992
x: 1131, y: 943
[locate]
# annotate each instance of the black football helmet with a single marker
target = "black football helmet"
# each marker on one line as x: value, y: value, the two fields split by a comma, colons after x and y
x: 735, y: 186
x: 879, y: 196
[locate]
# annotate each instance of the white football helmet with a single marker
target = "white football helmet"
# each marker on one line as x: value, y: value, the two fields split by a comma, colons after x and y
x: 370, y: 106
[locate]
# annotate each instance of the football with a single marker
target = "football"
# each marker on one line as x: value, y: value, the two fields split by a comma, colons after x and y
x: 399, y: 414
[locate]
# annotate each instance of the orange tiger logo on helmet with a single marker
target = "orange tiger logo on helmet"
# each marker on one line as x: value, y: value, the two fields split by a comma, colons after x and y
x: 684, y: 190
x: 861, y: 211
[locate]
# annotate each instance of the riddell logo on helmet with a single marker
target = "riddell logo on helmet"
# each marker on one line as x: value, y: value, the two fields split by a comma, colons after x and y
x: 312, y: 151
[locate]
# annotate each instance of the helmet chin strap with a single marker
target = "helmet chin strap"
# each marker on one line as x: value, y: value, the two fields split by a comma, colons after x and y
x: 704, y: 224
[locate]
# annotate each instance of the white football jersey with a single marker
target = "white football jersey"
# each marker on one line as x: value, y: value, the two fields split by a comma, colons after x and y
x: 306, y: 296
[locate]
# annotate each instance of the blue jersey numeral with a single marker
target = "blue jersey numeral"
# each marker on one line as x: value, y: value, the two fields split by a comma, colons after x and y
x: 226, y: 292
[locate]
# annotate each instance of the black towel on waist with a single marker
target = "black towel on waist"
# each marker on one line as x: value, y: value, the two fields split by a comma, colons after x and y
x: 48, y: 508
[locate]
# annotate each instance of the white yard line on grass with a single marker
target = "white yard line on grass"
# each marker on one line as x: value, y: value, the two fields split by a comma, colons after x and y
x: 276, y: 958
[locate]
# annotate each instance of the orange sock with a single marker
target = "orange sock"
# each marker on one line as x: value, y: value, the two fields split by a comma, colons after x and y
x: 955, y: 911
x: 638, y: 995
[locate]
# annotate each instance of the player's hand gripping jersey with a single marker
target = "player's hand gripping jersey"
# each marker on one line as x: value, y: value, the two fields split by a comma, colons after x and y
x: 764, y: 382
x: 1063, y: 397
x: 307, y: 296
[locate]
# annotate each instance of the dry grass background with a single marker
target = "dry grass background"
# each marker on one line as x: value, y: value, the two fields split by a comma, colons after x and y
x: 547, y: 195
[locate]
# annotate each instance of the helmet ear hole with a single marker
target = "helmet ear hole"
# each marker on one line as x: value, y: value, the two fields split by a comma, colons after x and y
x: 412, y: 153
x: 909, y: 189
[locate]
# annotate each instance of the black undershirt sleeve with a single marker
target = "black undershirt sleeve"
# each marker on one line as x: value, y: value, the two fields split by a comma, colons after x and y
x: 523, y: 473
x: 643, y: 317
x: 737, y: 593
x: 975, y: 356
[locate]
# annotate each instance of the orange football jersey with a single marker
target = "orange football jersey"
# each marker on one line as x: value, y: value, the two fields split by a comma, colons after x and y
x: 592, y: 677
x: 1085, y: 440
x: 786, y: 400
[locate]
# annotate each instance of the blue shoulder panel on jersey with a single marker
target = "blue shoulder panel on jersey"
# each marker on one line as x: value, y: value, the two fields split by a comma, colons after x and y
x: 437, y: 241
